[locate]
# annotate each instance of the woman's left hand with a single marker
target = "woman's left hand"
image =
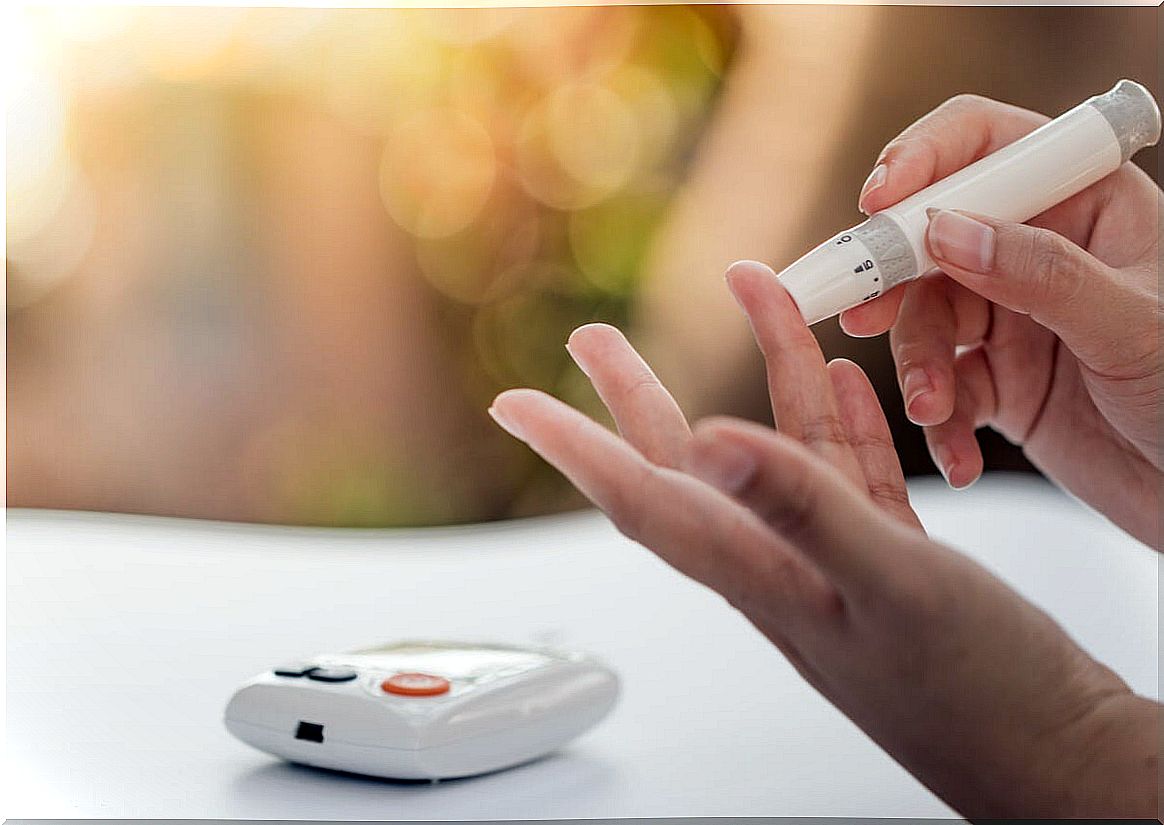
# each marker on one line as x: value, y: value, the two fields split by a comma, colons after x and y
x: 808, y: 531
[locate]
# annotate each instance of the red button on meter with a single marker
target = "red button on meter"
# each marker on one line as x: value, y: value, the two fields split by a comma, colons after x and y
x: 415, y: 684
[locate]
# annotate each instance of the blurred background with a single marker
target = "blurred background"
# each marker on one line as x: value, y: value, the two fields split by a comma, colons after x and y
x: 273, y: 264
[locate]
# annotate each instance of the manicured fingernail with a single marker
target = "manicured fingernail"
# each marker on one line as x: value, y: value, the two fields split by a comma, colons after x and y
x: 740, y: 267
x: 961, y: 240
x: 948, y: 464
x: 507, y: 424
x: 914, y: 384
x: 580, y: 360
x: 872, y: 183
x: 729, y: 276
x: 723, y: 465
x: 944, y: 459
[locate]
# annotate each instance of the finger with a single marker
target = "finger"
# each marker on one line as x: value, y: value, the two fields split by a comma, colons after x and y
x: 1105, y: 216
x: 955, y: 134
x: 871, y: 439
x: 1037, y: 272
x: 645, y: 412
x: 953, y: 445
x: 922, y: 343
x: 873, y: 317
x: 689, y: 525
x: 802, y: 498
x: 802, y: 395
x: 936, y: 316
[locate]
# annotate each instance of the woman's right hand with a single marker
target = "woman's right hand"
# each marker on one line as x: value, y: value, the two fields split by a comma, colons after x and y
x: 1049, y: 332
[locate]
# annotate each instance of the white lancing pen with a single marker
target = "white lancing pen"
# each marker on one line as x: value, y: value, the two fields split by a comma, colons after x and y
x: 1021, y: 180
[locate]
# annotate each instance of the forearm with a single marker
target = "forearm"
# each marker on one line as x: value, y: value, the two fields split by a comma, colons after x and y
x: 1026, y: 724
x: 1120, y: 746
x: 1105, y: 767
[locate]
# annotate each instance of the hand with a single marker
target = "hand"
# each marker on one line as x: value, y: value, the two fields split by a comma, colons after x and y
x: 1047, y: 332
x: 809, y: 533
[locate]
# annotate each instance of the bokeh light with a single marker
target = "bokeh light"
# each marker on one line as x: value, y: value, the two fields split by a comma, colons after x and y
x: 434, y: 197
x: 186, y: 44
x: 437, y: 171
x: 273, y: 263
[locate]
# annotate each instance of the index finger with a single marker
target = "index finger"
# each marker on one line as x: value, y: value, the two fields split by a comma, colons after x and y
x: 957, y: 133
x: 803, y: 402
x: 805, y: 501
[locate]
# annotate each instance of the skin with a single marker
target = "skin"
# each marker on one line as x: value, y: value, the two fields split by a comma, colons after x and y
x: 975, y: 691
x: 1056, y: 346
x: 808, y: 531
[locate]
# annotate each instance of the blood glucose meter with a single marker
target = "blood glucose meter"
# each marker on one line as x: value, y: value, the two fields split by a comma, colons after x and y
x: 422, y: 710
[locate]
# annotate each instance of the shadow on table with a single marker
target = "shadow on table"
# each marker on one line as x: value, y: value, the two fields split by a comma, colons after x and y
x: 566, y: 780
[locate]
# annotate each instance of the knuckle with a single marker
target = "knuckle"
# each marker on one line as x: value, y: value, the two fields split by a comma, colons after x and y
x: 965, y: 101
x: 910, y: 351
x: 793, y: 515
x: 871, y: 442
x: 938, y: 123
x: 1051, y: 266
x: 825, y: 428
x: 776, y: 344
x: 749, y: 588
x: 889, y: 493
x: 637, y: 384
x: 776, y: 579
x: 1026, y: 262
x: 793, y: 519
x: 918, y: 141
x: 625, y: 518
x: 931, y: 130
x: 624, y: 506
x: 1048, y: 255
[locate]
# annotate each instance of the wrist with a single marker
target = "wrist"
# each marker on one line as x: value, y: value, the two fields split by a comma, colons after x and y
x: 1092, y: 752
x: 1113, y: 753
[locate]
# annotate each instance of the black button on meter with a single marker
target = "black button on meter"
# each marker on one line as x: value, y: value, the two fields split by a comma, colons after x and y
x: 332, y: 674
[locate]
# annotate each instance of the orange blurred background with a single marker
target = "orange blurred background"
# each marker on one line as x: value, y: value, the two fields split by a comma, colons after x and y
x: 272, y: 264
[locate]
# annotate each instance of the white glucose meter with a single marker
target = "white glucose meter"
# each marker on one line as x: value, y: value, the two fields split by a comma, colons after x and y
x: 422, y: 710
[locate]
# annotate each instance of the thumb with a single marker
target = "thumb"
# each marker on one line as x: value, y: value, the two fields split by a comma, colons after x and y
x: 1040, y: 273
x: 803, y: 499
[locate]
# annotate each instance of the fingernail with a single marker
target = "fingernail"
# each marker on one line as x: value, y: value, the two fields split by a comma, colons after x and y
x: 745, y: 265
x: 961, y: 240
x: 875, y: 181
x: 944, y: 458
x: 579, y: 360
x: 729, y: 277
x: 507, y: 424
x: 766, y: 272
x: 914, y: 384
x: 725, y: 466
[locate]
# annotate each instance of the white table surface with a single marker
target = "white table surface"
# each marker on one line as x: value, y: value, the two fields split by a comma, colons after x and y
x: 126, y: 636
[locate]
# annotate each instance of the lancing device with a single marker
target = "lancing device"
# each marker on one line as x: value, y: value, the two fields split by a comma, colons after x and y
x: 1017, y: 182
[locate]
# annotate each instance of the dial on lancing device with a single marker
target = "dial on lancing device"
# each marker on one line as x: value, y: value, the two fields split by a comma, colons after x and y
x: 422, y: 710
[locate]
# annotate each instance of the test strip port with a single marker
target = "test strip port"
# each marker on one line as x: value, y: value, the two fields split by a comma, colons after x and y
x: 309, y: 731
